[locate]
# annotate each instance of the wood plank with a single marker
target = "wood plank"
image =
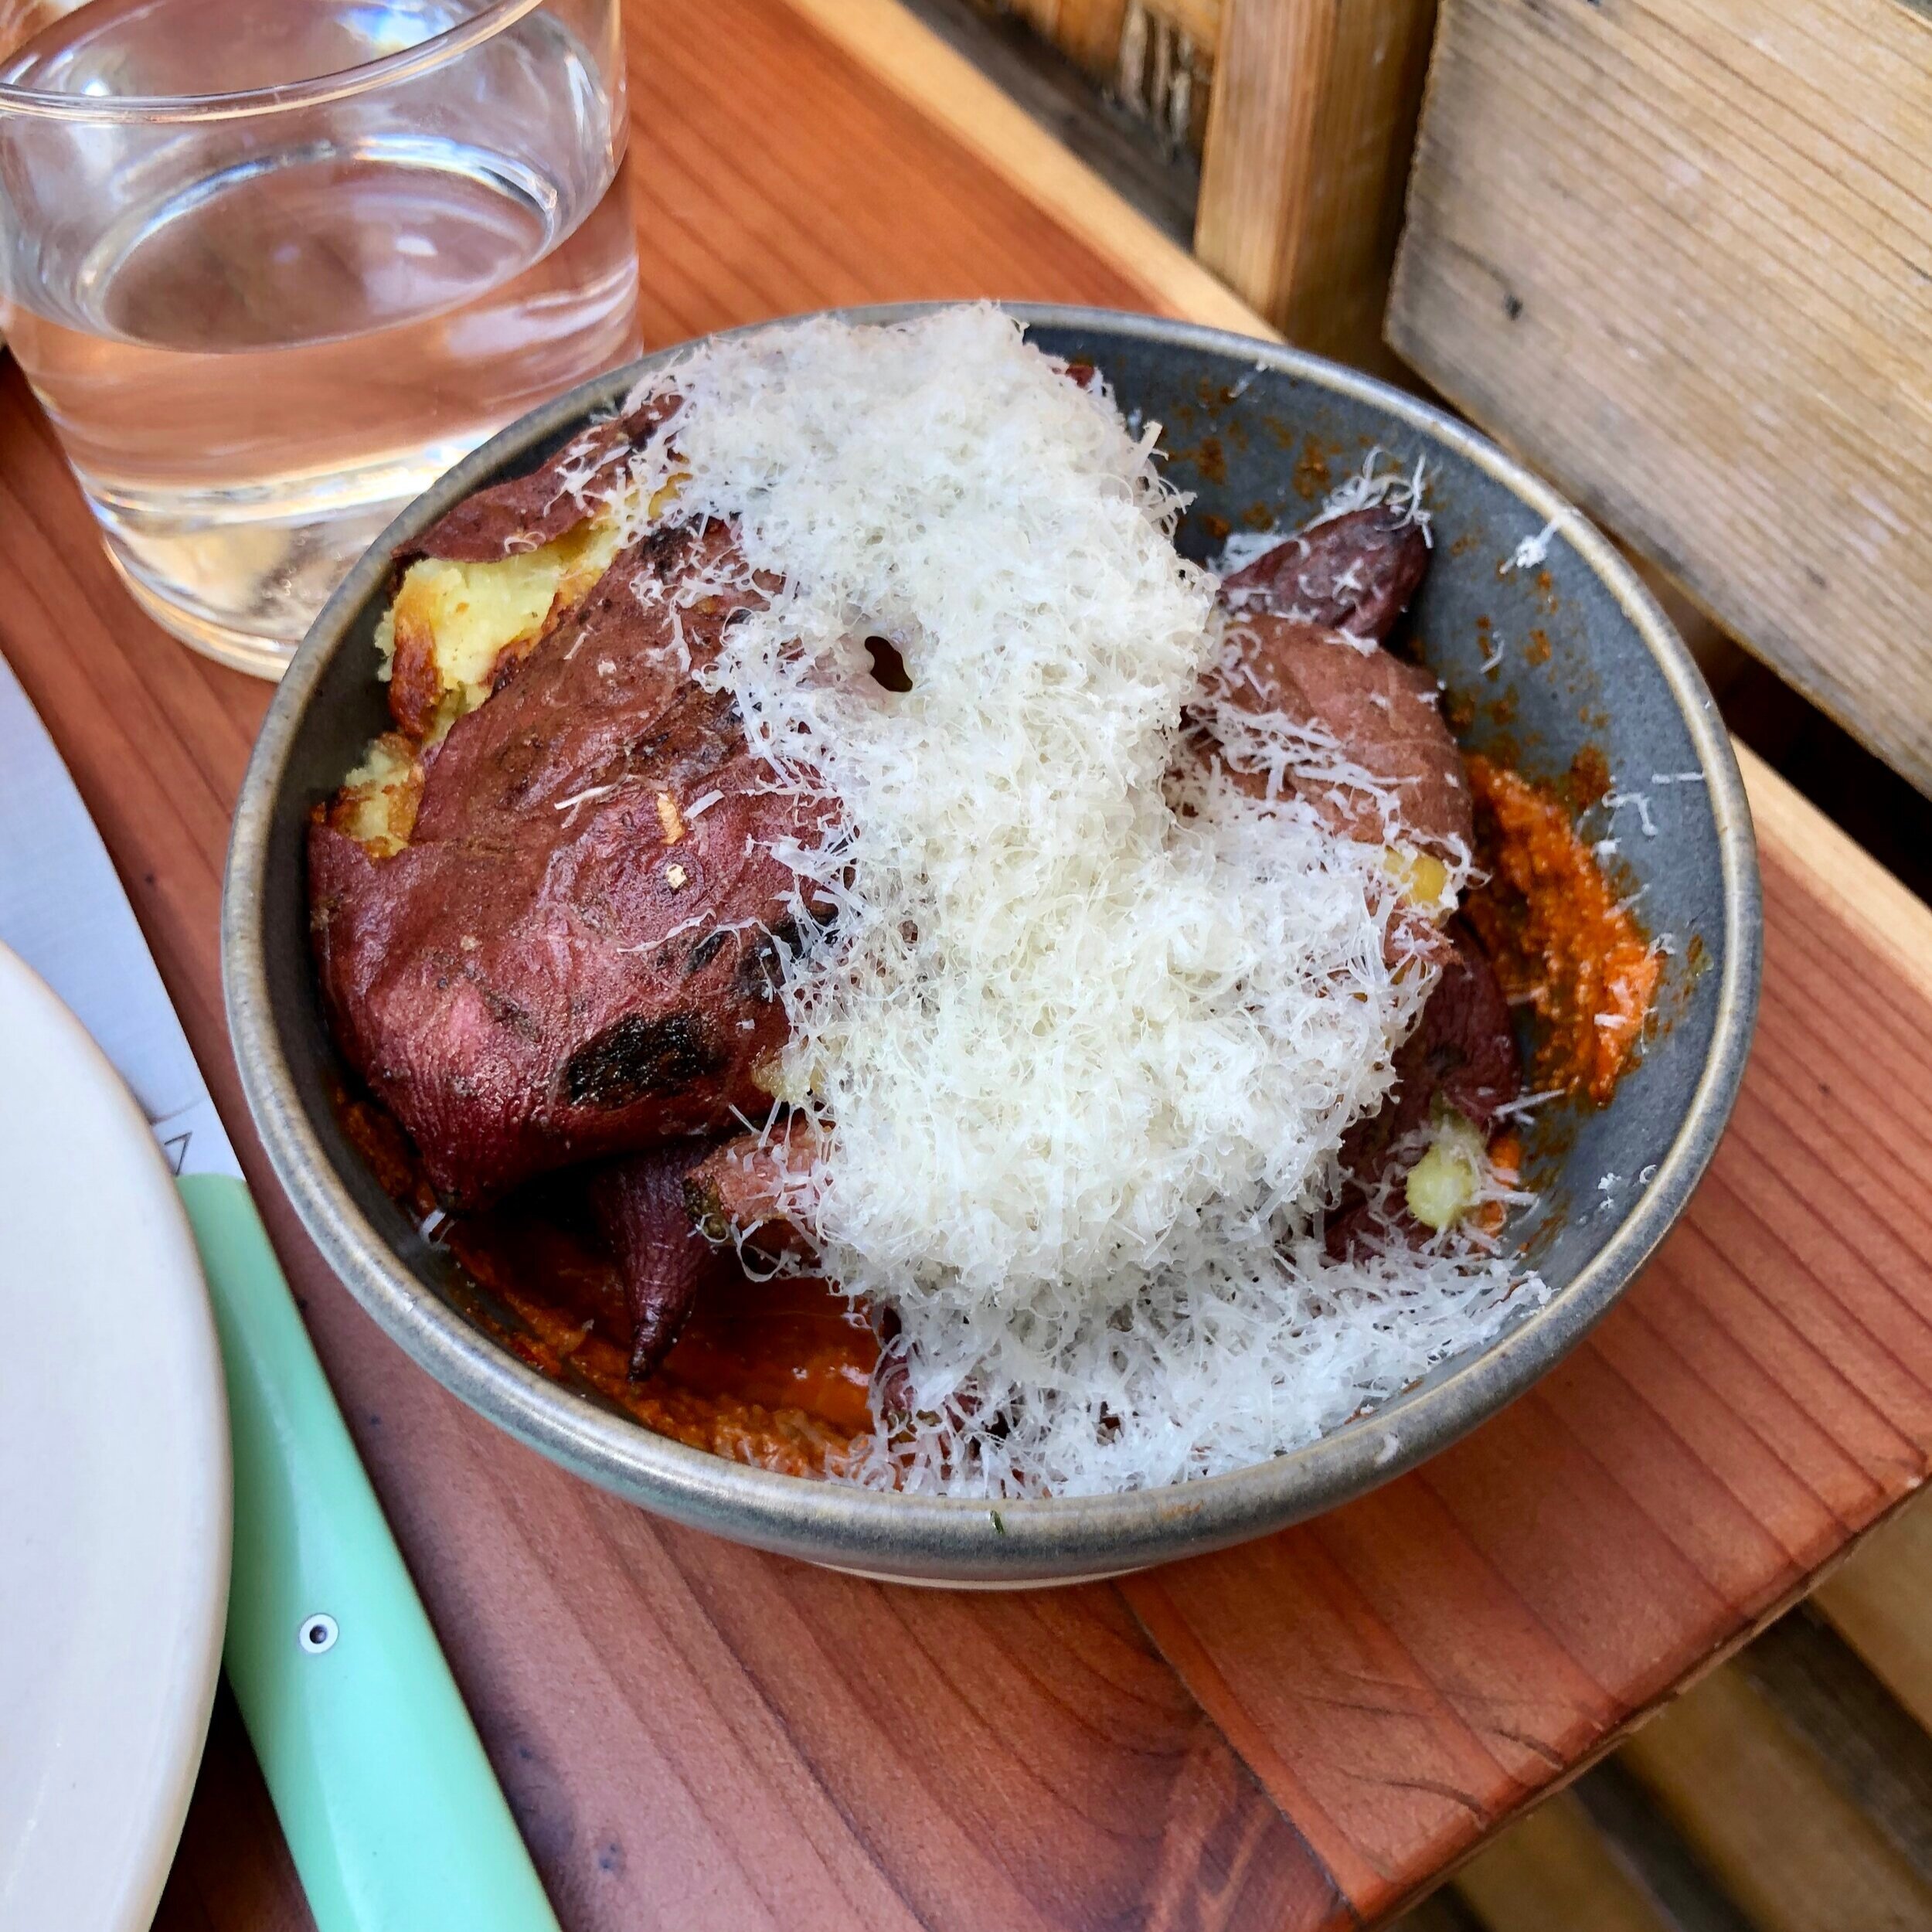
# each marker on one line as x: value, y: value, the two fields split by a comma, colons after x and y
x: 1854, y: 888
x: 1308, y: 141
x: 1087, y: 31
x: 1443, y: 1910
x: 1103, y: 129
x: 1762, y: 1813
x: 1881, y: 1602
x: 1869, y: 1746
x: 951, y: 93
x: 1678, y: 253
x: 1200, y: 20
x: 1667, y: 1872
x: 1553, y: 1869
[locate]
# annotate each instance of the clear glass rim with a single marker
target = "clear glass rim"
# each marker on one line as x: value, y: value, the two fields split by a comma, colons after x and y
x: 38, y: 105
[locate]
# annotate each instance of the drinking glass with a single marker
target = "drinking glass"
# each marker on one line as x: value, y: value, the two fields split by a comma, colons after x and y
x: 272, y: 266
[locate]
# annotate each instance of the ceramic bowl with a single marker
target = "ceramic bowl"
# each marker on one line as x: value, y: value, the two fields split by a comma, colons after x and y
x: 1566, y: 655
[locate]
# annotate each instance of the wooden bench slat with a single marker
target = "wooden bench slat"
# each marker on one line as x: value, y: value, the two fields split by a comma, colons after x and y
x: 1764, y: 1815
x: 1870, y: 1748
x: 1553, y: 1869
x: 1641, y: 1840
x: 1880, y: 1601
x: 950, y: 93
x: 1308, y: 137
x: 1679, y: 253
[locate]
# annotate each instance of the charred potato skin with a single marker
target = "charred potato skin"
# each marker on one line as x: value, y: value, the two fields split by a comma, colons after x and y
x: 521, y: 1004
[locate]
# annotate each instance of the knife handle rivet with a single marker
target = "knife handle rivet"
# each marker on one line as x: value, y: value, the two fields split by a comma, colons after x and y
x: 318, y: 1633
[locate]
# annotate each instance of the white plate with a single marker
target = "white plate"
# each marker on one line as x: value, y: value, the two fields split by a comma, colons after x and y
x: 113, y: 1486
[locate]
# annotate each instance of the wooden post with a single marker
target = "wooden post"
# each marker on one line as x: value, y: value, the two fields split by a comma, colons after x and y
x: 1308, y: 144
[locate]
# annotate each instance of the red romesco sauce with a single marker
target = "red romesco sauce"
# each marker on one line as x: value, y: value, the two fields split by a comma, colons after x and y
x: 1559, y: 940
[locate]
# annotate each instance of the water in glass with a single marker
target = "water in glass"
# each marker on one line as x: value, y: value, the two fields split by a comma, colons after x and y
x: 286, y: 326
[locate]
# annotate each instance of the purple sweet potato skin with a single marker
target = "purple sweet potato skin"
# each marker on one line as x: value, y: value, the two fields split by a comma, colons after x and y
x: 545, y: 975
x: 1355, y: 572
x: 1384, y: 714
x: 1464, y: 1049
x: 524, y: 512
x: 740, y: 1188
x: 638, y: 1204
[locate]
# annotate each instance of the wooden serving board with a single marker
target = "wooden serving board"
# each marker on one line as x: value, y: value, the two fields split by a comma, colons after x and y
x: 1295, y: 1735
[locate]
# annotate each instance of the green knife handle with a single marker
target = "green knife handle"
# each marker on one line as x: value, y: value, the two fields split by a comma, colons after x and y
x: 391, y: 1812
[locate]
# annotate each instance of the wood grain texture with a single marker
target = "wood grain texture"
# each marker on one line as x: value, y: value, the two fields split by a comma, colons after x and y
x: 1554, y: 1870
x: 905, y: 57
x: 1087, y: 31
x: 1200, y: 20
x: 1678, y: 253
x: 694, y: 1736
x: 1869, y: 1746
x: 1308, y: 140
x: 1880, y: 1602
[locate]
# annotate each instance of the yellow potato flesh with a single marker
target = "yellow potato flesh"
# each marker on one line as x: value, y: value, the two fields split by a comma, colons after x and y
x: 1444, y: 1186
x: 379, y: 797
x: 472, y: 613
x: 1421, y: 877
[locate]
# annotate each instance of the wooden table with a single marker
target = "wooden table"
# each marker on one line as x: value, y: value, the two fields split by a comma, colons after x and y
x: 1298, y: 1734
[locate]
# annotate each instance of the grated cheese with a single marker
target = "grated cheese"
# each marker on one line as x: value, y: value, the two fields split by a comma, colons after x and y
x: 1372, y: 487
x: 1243, y: 547
x: 577, y: 800
x: 1533, y: 552
x: 1614, y: 802
x: 1525, y: 1104
x: 1088, y: 1023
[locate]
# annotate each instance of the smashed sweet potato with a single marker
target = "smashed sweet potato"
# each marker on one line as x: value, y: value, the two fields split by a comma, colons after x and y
x: 1397, y: 775
x: 542, y: 975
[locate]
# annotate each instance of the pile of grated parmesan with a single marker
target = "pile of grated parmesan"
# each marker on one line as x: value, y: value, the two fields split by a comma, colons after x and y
x: 1089, y: 1023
